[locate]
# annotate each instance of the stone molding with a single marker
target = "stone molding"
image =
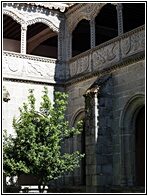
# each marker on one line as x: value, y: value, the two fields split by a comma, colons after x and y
x: 14, y: 15
x: 46, y: 22
x: 51, y: 5
x: 31, y: 8
x: 77, y: 116
x: 29, y: 57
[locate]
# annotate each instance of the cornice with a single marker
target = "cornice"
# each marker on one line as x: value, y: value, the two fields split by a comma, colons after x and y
x: 33, y: 82
x: 32, y: 8
x: 30, y: 57
x: 51, y: 5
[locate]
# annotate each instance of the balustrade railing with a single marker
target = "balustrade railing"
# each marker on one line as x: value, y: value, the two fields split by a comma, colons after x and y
x: 108, y: 53
x: 29, y: 67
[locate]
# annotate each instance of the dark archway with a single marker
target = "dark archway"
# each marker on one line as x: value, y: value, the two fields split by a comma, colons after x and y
x: 128, y: 123
x: 42, y: 41
x: 81, y: 38
x: 140, y: 148
x: 106, y: 24
x: 11, y: 34
x: 79, y: 144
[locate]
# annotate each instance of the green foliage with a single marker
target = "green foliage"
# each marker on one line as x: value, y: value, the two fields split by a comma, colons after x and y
x: 36, y: 149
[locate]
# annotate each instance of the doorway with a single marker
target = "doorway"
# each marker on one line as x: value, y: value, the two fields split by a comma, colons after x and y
x: 140, y: 148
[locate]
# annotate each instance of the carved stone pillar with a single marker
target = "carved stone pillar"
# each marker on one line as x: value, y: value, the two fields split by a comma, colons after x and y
x: 120, y: 18
x: 69, y: 46
x: 61, y: 41
x: 23, y: 38
x: 92, y: 33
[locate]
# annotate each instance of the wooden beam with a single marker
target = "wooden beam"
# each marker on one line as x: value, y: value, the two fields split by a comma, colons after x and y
x: 34, y: 41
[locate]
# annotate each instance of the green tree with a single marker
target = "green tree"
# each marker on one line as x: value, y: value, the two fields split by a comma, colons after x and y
x: 36, y: 149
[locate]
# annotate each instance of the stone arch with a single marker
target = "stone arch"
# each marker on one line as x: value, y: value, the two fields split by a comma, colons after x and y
x: 75, y: 23
x: 79, y: 115
x: 88, y: 13
x: 14, y: 15
x: 127, y: 126
x: 51, y: 31
x: 44, y: 21
x: 132, y: 106
x: 97, y: 9
x: 38, y: 39
x: 79, y: 144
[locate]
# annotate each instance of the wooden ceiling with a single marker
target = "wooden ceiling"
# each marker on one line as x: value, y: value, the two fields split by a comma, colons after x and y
x: 106, y: 26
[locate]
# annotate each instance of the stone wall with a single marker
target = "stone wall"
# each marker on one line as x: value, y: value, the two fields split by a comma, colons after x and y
x: 18, y: 95
x: 128, y: 82
x: 104, y: 158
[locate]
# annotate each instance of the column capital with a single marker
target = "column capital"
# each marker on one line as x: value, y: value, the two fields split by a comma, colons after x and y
x: 92, y: 21
x: 119, y: 6
x: 24, y: 27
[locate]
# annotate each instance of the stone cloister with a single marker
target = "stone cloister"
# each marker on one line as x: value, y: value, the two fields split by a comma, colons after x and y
x: 95, y: 52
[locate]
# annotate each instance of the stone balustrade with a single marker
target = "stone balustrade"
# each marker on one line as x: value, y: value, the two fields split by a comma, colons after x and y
x: 108, y: 53
x: 32, y: 68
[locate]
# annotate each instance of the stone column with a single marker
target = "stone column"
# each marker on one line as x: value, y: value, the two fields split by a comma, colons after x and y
x: 92, y: 33
x: 98, y: 139
x: 61, y: 41
x: 91, y: 127
x: 23, y: 38
x: 120, y: 18
x: 69, y: 46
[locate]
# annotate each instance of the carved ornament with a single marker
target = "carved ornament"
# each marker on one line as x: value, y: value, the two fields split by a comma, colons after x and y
x: 30, y: 67
x: 24, y: 17
x: 109, y: 53
x: 14, y: 15
x: 45, y: 21
x: 105, y: 55
x: 133, y: 43
x: 79, y: 66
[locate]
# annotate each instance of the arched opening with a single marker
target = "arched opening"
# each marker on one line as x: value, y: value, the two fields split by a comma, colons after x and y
x: 42, y: 41
x: 80, y: 139
x: 11, y: 34
x: 131, y: 121
x: 140, y: 148
x: 81, y: 38
x: 79, y: 144
x: 106, y: 24
x: 133, y: 15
